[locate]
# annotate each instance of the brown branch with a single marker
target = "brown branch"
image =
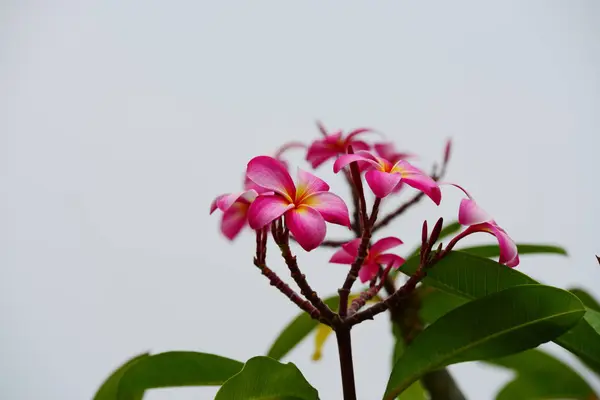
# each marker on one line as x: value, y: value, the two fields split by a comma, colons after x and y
x: 368, y: 294
x: 274, y: 280
x: 284, y: 288
x: 344, y: 291
x: 282, y: 240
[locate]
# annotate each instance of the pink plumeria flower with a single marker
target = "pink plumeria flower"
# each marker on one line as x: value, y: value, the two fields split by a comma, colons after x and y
x: 333, y: 145
x: 478, y: 220
x: 248, y: 184
x: 388, y: 151
x: 384, y: 176
x: 235, y: 211
x: 375, y: 256
x: 305, y: 207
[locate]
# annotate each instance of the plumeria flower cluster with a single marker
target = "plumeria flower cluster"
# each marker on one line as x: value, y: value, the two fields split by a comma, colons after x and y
x: 273, y: 204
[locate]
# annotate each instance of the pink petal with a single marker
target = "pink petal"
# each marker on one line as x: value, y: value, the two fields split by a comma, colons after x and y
x: 509, y: 254
x: 234, y: 219
x: 357, y: 132
x: 215, y: 202
x: 333, y: 138
x: 307, y: 225
x: 342, y: 257
x: 508, y: 249
x: 387, y: 259
x: 384, y: 244
x: 226, y: 201
x: 385, y: 150
x: 249, y: 185
x: 331, y: 206
x: 287, y: 146
x: 359, y: 145
x: 469, y: 213
x: 352, y: 246
x: 368, y: 271
x: 265, y: 209
x: 358, y: 156
x: 419, y: 180
x: 309, y: 184
x: 271, y: 174
x: 382, y: 183
x: 318, y: 153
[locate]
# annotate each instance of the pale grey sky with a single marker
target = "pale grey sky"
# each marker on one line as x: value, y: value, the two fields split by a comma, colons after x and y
x: 121, y: 120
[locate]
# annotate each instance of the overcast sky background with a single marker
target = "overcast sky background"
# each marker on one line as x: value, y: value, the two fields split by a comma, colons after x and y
x: 121, y: 120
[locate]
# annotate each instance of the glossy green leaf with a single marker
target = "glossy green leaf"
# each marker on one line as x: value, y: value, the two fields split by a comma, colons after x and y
x: 416, y: 390
x: 268, y: 379
x: 541, y: 376
x: 492, y: 250
x: 500, y: 324
x: 471, y: 277
x: 435, y: 303
x: 171, y: 369
x: 586, y: 298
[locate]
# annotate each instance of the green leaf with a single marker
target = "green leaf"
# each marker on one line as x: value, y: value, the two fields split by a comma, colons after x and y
x: 268, y: 379
x: 584, y: 340
x: 416, y: 390
x: 500, y: 324
x: 110, y: 388
x: 541, y: 376
x: 471, y: 277
x: 586, y: 298
x: 297, y: 330
x: 435, y: 303
x: 492, y: 250
x: 171, y: 369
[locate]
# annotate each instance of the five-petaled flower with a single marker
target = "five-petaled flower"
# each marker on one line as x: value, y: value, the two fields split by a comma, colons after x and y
x: 305, y: 207
x: 383, y: 176
x: 375, y: 256
x: 333, y: 145
x: 478, y: 220
x: 235, y: 211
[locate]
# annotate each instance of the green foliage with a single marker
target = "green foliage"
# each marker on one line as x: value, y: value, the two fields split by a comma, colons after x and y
x: 500, y: 324
x: 268, y: 379
x: 472, y: 277
x: 586, y: 298
x: 171, y: 369
x: 541, y: 376
x: 492, y: 250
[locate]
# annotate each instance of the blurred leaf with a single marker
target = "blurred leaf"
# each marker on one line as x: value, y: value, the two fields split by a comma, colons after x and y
x: 321, y: 334
x: 586, y: 298
x: 502, y: 323
x: 301, y: 327
x: 110, y: 388
x: 492, y: 250
x: 297, y: 330
x: 416, y: 390
x: 171, y: 369
x: 268, y: 379
x: 471, y: 277
x: 542, y: 376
